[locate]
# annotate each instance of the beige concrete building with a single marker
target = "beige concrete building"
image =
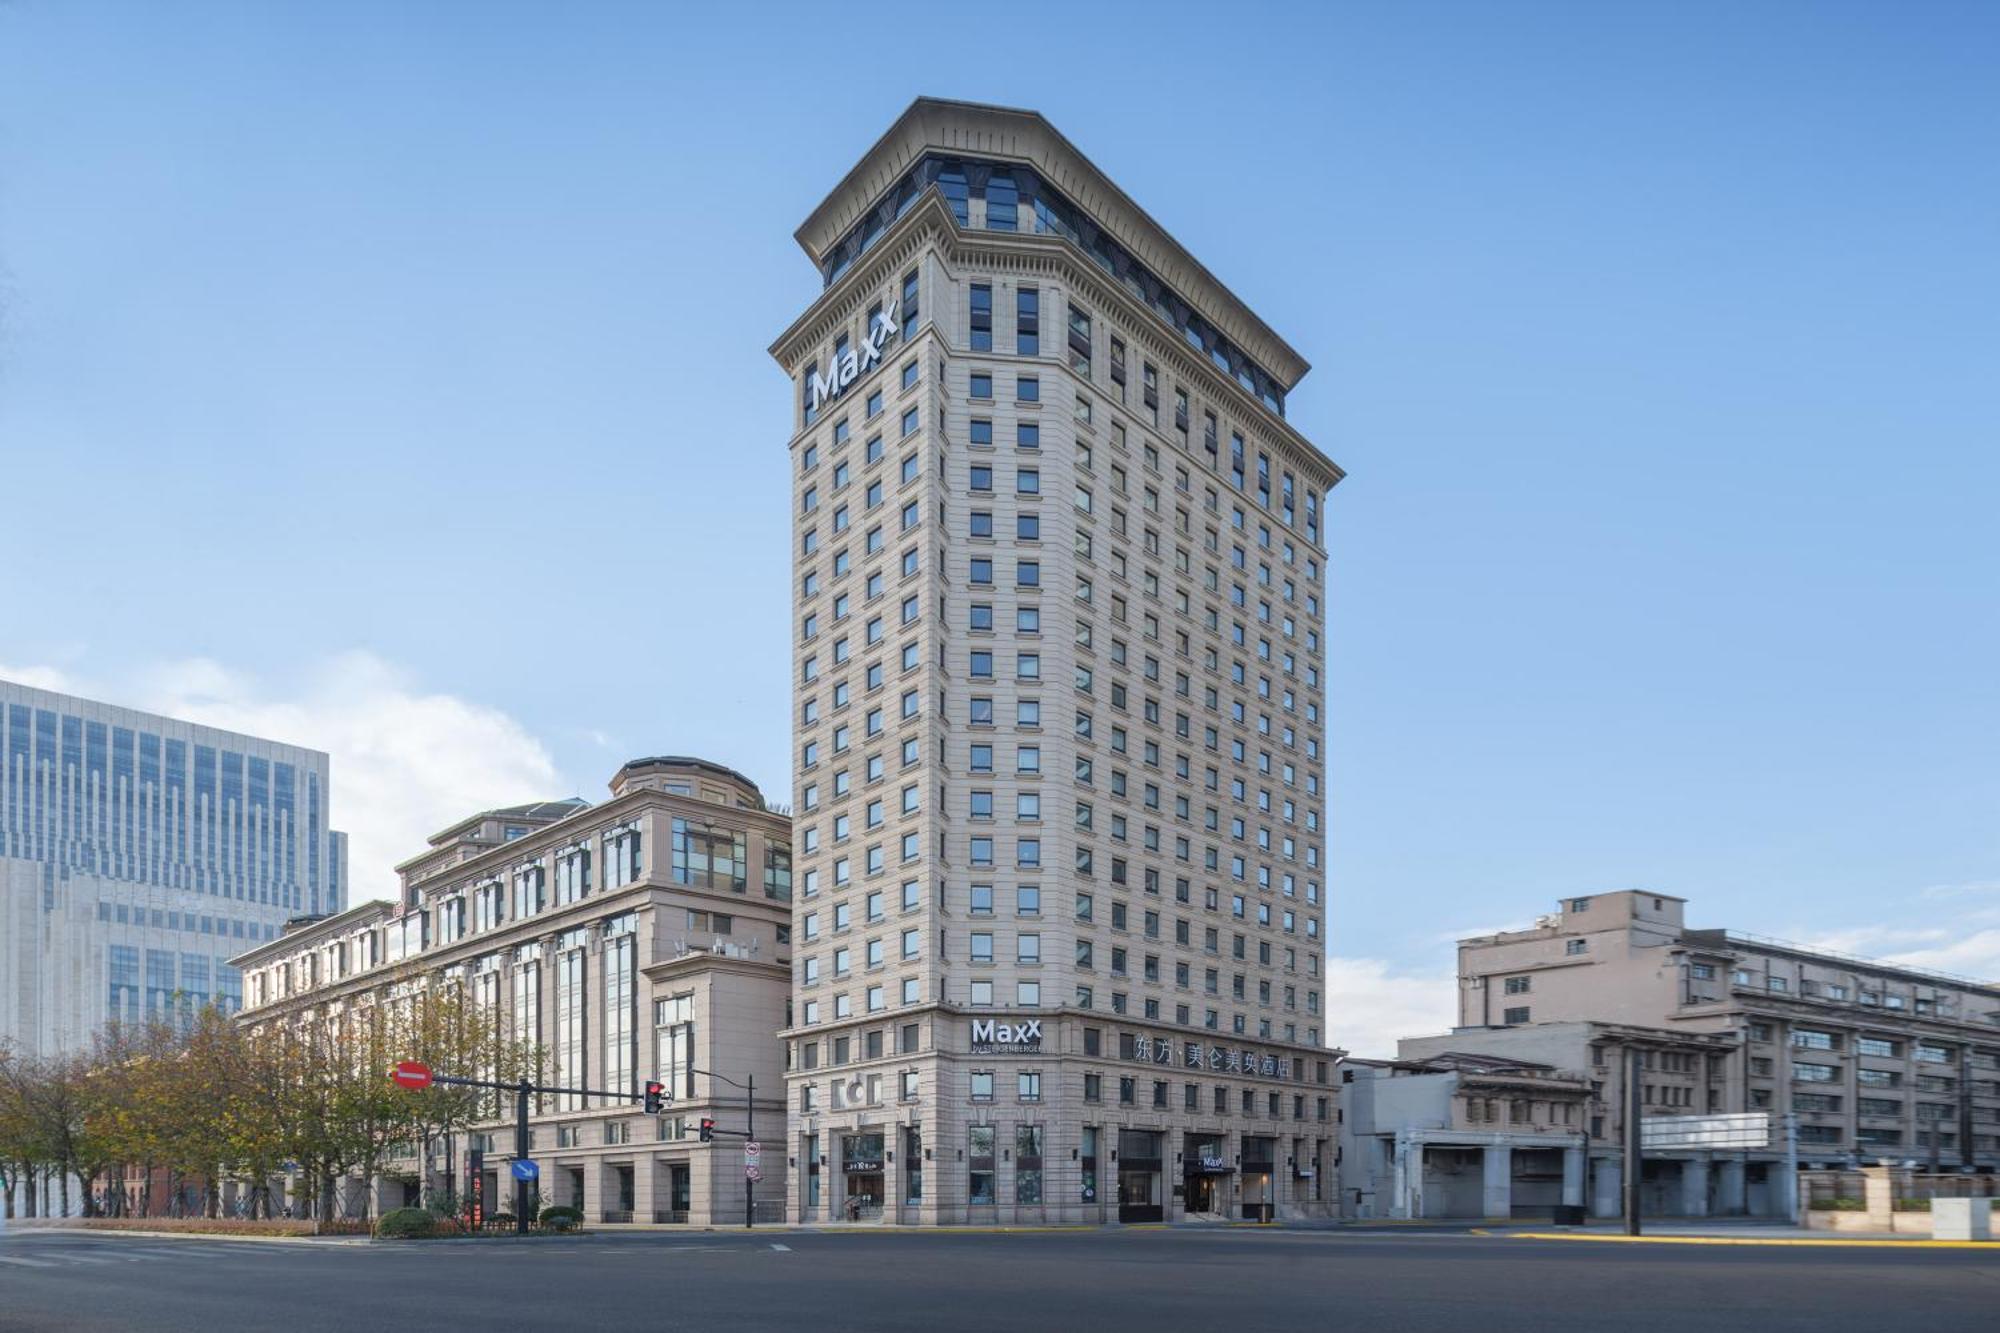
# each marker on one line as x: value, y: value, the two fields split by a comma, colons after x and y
x: 1461, y: 1135
x: 1058, y: 706
x: 1681, y: 1073
x: 646, y: 937
x: 1874, y: 1060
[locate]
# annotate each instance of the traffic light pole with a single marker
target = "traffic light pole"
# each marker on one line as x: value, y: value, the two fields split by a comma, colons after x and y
x: 522, y: 1142
x: 748, y: 1134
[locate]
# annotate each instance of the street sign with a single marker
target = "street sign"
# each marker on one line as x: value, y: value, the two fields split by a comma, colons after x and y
x: 411, y: 1074
x: 525, y: 1170
x: 752, y: 1160
x: 1673, y: 1133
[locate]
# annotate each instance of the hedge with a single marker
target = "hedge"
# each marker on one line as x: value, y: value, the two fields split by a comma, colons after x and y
x: 561, y: 1216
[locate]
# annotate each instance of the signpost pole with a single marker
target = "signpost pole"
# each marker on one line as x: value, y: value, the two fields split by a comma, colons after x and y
x: 750, y: 1133
x: 521, y: 1155
x: 1792, y: 1167
x: 1633, y: 1152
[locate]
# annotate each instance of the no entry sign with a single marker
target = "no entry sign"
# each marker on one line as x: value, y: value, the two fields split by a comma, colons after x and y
x: 411, y: 1074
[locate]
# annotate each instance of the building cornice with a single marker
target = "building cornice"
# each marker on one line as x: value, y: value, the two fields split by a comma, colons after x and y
x: 930, y: 219
x: 1010, y: 134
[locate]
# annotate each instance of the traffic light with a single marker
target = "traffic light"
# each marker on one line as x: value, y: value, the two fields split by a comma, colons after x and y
x: 653, y: 1090
x: 707, y: 1129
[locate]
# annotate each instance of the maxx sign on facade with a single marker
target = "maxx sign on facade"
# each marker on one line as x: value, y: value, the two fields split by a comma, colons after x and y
x: 848, y: 364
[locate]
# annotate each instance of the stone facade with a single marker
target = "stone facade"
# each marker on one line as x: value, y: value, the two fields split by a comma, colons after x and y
x: 647, y: 937
x: 1875, y: 1061
x: 1058, y: 701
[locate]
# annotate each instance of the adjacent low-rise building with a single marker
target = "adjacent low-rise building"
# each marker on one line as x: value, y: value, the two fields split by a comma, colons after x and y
x: 1680, y: 1073
x: 1872, y: 1060
x: 1460, y: 1135
x: 646, y: 937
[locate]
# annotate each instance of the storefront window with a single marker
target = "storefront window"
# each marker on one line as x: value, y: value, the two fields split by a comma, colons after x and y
x: 979, y: 1163
x: 1027, y: 1164
x: 812, y: 1170
x: 1089, y: 1158
x: 913, y: 1164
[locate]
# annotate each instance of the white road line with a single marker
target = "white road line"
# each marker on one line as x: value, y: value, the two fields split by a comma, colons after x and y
x: 26, y: 1263
x: 71, y: 1257
x: 782, y: 1249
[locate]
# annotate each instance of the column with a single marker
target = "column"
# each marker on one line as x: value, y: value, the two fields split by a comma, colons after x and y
x: 1406, y: 1193
x: 1879, y: 1189
x: 1732, y: 1195
x: 1607, y: 1189
x: 1783, y: 1190
x: 1497, y: 1199
x: 593, y: 1202
x: 1694, y: 1186
x: 646, y: 1174
x: 1573, y: 1171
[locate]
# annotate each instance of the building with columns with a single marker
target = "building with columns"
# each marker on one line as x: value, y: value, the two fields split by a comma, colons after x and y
x: 645, y: 937
x: 1681, y: 1073
x: 1458, y: 1135
x: 1867, y: 1060
x: 1058, y: 707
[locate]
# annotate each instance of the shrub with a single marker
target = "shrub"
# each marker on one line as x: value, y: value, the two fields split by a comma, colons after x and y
x: 1845, y: 1203
x: 562, y: 1217
x: 499, y: 1219
x: 405, y: 1223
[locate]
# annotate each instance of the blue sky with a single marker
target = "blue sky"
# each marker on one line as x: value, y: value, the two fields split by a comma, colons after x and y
x: 394, y: 375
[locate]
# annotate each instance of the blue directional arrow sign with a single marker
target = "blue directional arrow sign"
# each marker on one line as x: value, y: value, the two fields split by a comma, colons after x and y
x: 526, y: 1170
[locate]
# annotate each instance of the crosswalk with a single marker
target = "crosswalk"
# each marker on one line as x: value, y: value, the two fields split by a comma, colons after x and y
x: 78, y: 1254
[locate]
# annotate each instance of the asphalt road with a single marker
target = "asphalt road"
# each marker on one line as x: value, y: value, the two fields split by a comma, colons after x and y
x: 1234, y: 1281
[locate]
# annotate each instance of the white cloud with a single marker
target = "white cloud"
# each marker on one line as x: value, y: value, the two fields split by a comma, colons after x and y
x: 405, y: 762
x: 1961, y: 934
x: 1370, y: 1004
x: 39, y: 678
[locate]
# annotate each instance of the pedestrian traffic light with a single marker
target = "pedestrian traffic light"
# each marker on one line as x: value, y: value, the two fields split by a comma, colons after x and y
x: 653, y: 1090
x: 707, y: 1129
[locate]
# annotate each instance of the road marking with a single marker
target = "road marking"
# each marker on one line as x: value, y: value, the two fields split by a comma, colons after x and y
x: 782, y: 1249
x: 26, y: 1263
x: 70, y: 1257
x: 1913, y: 1243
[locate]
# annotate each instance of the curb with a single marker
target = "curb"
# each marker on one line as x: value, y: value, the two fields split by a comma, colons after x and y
x: 1989, y: 1246
x: 193, y: 1235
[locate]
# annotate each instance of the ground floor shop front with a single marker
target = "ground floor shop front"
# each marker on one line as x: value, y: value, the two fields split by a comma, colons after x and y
x: 1034, y: 1173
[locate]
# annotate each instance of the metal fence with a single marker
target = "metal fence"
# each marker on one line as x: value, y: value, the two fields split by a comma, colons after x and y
x: 1825, y: 1189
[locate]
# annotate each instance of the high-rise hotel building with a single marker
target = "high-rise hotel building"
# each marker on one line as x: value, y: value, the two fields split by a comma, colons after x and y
x: 1059, y: 665
x: 138, y: 854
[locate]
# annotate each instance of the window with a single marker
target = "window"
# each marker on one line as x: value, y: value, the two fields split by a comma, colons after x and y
x: 1027, y: 318
x: 982, y: 317
x: 982, y: 384
x: 1079, y: 340
x: 1513, y: 1016
x: 979, y: 1157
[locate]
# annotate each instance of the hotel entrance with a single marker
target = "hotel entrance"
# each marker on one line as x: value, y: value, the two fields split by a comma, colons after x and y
x: 1206, y: 1170
x: 861, y: 1163
x: 1139, y: 1176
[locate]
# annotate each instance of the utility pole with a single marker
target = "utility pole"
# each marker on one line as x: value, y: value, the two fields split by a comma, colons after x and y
x: 521, y: 1154
x: 1633, y: 1157
x: 750, y: 1131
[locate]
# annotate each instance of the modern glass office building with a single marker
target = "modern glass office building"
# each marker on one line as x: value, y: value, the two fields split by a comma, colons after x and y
x: 1058, y: 707
x: 137, y: 855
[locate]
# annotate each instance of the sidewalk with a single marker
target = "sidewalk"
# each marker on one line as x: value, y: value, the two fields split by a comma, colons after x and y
x: 1730, y: 1233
